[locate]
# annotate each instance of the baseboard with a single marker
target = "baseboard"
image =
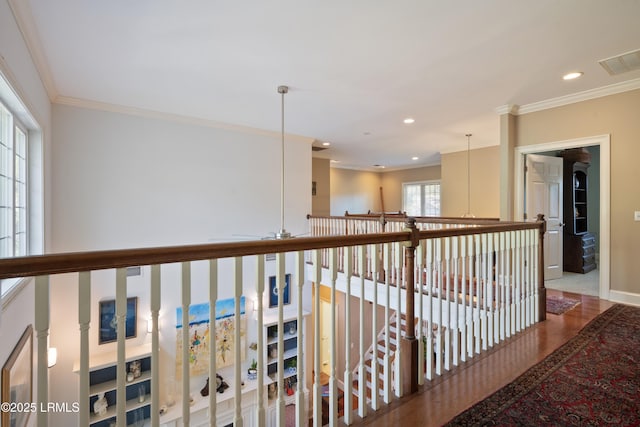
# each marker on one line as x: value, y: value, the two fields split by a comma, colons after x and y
x: 624, y: 297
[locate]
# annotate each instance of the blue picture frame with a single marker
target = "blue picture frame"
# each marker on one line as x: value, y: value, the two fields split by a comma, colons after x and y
x: 108, y: 328
x: 273, y: 291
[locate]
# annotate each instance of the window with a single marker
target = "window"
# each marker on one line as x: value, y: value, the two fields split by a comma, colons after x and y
x: 13, y: 186
x: 21, y: 183
x: 421, y: 198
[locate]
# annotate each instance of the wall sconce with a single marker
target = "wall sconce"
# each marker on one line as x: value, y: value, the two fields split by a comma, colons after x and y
x: 52, y: 356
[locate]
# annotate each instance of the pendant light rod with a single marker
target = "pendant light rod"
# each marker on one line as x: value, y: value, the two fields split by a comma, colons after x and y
x: 282, y: 234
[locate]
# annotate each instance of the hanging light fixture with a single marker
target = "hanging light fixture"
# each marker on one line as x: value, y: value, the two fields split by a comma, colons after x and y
x: 282, y: 234
x: 468, y: 214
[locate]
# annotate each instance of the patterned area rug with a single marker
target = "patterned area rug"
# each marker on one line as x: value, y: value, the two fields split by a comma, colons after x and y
x: 592, y: 380
x: 559, y: 305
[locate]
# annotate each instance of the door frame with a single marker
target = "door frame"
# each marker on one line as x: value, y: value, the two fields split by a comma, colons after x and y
x: 604, y: 142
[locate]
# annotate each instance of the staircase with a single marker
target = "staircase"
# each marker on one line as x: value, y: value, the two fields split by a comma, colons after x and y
x: 379, y: 353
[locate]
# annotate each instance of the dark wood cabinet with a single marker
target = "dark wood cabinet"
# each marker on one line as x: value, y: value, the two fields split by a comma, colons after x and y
x: 579, y: 245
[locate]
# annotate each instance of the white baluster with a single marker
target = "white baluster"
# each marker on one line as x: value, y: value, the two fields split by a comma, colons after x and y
x: 503, y: 285
x: 301, y: 412
x: 348, y: 376
x: 534, y: 267
x: 485, y: 303
x: 387, y: 324
x: 333, y: 383
x: 398, y: 263
x: 213, y: 297
x: 518, y: 283
x: 186, y: 301
x: 317, y: 388
x: 510, y: 321
x: 420, y: 270
x: 362, y: 373
x: 472, y: 298
x: 431, y: 283
x: 260, y: 417
x: 237, y: 279
x: 280, y: 283
x: 447, y: 292
x: 84, y: 319
x: 454, y: 320
x: 478, y: 294
x: 42, y: 337
x: 439, y: 286
x: 465, y: 297
x: 121, y: 316
x: 155, y: 345
x: 375, y: 382
x: 490, y: 291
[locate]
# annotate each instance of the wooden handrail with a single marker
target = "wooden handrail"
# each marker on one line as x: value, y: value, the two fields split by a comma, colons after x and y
x: 99, y: 260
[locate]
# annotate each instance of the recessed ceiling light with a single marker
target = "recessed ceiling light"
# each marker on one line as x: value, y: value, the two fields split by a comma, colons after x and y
x: 334, y: 161
x: 409, y: 120
x: 379, y: 166
x: 573, y: 75
x: 414, y: 158
x: 326, y: 144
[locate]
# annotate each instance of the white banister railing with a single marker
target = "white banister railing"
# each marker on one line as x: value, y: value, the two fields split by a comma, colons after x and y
x: 474, y: 286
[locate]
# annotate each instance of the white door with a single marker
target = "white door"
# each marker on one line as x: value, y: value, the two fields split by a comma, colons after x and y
x: 544, y: 195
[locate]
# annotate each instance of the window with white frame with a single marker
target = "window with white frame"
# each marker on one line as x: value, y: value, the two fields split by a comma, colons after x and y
x: 17, y: 207
x: 421, y: 198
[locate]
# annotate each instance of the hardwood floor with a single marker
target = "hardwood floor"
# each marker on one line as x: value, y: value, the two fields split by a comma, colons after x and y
x: 442, y: 399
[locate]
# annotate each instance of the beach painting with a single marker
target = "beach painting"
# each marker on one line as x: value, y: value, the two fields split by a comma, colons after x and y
x: 199, y: 336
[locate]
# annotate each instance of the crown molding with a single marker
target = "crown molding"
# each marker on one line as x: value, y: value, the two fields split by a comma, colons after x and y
x: 170, y: 117
x: 24, y: 18
x: 580, y: 96
x: 507, y: 109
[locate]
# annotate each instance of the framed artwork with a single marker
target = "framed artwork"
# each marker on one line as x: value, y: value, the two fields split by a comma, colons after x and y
x: 273, y: 291
x: 17, y: 381
x: 108, y: 321
x: 199, y: 343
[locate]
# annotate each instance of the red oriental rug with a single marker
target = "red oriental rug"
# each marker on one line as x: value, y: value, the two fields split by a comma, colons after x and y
x: 560, y: 305
x: 592, y: 380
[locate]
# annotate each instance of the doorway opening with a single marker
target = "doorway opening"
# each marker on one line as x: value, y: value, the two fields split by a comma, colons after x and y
x: 595, y: 282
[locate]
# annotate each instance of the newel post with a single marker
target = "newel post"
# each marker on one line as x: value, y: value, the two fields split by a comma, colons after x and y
x: 542, y: 291
x: 409, y: 343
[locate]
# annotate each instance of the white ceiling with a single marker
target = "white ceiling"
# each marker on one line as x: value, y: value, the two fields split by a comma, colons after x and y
x: 355, y: 68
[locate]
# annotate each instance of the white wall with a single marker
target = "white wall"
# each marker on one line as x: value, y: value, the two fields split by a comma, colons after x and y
x: 18, y: 68
x: 124, y: 181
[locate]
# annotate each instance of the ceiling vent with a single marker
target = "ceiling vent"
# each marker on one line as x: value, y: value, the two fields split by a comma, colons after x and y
x: 629, y: 61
